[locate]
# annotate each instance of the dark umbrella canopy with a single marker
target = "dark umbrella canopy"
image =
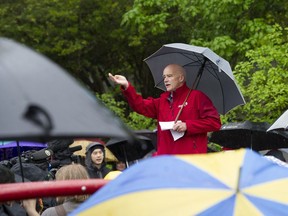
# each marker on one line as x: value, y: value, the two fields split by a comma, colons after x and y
x: 249, y: 135
x: 152, y: 135
x: 126, y: 151
x: 40, y: 100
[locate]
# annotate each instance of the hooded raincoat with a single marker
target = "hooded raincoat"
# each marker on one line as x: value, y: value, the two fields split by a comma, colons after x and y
x: 92, y: 170
x: 198, y: 113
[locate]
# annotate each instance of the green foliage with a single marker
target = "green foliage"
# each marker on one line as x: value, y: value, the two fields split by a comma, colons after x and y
x: 138, y: 122
x: 133, y: 120
x: 263, y: 79
x: 214, y: 147
x: 118, y: 107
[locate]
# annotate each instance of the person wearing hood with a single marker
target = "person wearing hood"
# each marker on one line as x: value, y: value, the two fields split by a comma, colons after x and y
x: 95, y: 160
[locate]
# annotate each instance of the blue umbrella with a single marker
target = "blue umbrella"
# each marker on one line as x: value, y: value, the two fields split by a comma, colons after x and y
x: 8, y: 149
x: 223, y: 183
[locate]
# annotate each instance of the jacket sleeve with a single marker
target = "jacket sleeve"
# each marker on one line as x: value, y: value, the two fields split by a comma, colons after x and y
x: 146, y: 107
x: 209, y: 119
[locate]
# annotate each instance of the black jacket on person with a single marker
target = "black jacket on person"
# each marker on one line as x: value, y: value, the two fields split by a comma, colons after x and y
x: 92, y: 170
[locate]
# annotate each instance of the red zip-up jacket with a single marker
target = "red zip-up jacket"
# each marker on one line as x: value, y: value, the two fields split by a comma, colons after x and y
x: 198, y: 113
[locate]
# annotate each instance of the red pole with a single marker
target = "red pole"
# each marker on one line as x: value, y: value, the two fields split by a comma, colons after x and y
x: 27, y: 190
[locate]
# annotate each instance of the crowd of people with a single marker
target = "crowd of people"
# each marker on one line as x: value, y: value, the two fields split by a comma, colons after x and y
x: 93, y: 167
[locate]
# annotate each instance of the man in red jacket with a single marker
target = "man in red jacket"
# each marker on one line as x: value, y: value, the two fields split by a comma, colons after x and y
x: 198, y: 116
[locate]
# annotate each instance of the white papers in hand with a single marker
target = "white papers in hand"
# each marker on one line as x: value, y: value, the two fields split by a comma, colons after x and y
x: 168, y: 126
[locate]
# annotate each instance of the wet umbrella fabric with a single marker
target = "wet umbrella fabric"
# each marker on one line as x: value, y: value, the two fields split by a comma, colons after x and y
x: 151, y: 134
x: 40, y: 100
x: 8, y: 150
x: 249, y: 135
x: 217, y: 80
x: 12, y: 144
x: 223, y: 183
x: 126, y: 152
x: 281, y: 123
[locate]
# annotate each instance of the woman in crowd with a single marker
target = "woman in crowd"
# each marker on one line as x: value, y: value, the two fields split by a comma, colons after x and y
x: 66, y: 204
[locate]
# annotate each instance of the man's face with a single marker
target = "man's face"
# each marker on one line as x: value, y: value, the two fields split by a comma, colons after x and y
x: 97, y: 156
x: 173, y: 79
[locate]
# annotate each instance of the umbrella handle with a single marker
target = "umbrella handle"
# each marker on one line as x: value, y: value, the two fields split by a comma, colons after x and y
x: 194, y: 86
x: 39, y: 116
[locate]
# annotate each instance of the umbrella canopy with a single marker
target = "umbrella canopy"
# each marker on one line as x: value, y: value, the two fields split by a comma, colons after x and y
x: 8, y: 150
x: 126, y: 151
x: 151, y: 134
x: 223, y: 183
x: 109, y: 156
x: 281, y: 123
x: 249, y: 135
x: 13, y: 144
x: 40, y: 100
x: 217, y: 80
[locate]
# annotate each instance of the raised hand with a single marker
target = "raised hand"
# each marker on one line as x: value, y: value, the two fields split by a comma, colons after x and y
x: 119, y: 79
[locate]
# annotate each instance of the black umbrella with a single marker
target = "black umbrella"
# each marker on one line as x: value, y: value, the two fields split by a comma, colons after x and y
x: 152, y: 135
x: 40, y: 101
x: 249, y: 135
x: 127, y: 151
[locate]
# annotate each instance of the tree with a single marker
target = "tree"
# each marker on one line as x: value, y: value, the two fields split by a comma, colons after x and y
x: 237, y: 30
x: 83, y: 36
x: 263, y: 78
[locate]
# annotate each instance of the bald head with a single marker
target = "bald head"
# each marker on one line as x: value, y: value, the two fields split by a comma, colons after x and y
x: 174, y: 76
x: 177, y: 69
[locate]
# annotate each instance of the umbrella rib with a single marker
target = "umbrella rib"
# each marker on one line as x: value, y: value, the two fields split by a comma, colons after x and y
x: 209, y: 68
x: 200, y: 59
x: 213, y: 73
x: 125, y: 155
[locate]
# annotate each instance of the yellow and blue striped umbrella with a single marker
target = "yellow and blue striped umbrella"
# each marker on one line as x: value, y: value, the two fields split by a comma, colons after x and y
x: 239, y: 182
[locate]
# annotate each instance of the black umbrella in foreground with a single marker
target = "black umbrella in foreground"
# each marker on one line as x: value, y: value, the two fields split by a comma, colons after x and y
x: 40, y: 101
x: 249, y: 135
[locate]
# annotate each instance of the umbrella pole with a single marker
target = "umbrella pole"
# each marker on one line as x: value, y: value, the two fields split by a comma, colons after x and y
x: 238, y: 182
x: 194, y: 86
x: 125, y: 155
x: 251, y: 140
x: 20, y: 161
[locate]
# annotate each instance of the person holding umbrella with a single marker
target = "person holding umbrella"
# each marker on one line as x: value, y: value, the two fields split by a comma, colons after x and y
x: 192, y: 112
